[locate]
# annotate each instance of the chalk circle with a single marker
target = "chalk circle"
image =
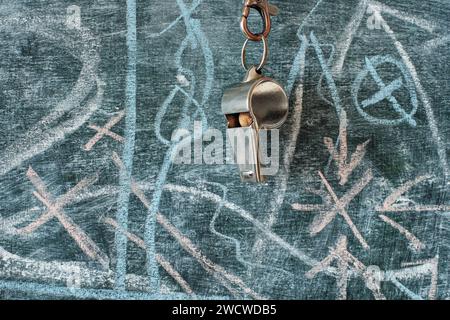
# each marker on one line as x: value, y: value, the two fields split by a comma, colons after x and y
x: 53, y: 29
x: 81, y: 45
x: 406, y: 116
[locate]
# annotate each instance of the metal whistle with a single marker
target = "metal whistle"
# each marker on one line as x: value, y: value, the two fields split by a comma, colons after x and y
x: 257, y: 103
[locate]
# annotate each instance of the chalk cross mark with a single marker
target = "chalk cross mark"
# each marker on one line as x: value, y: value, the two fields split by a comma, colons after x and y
x: 386, y: 93
x: 340, y: 205
x: 55, y: 210
x: 345, y: 261
x: 105, y: 131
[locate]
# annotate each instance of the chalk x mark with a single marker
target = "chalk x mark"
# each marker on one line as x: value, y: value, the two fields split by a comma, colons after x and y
x: 440, y: 146
x: 105, y: 131
x: 55, y: 210
x: 329, y: 212
x: 385, y: 92
x: 345, y: 260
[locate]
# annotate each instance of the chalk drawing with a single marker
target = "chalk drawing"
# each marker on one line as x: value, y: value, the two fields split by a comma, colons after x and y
x: 346, y: 38
x: 297, y: 69
x: 205, y: 262
x: 237, y: 243
x: 55, y: 210
x: 46, y: 132
x: 160, y: 259
x: 186, y: 13
x: 378, y: 7
x: 417, y: 270
x: 299, y: 56
x: 128, y: 150
x: 423, y: 95
x: 216, y: 270
x: 195, y: 36
x: 328, y: 212
x: 406, y: 273
x: 433, y: 44
x: 100, y: 294
x: 282, y: 179
x: 298, y: 253
x: 385, y: 92
x: 375, y: 8
x: 345, y: 260
x: 105, y: 131
x: 319, y: 83
x: 77, y: 279
x: 415, y: 243
x: 389, y: 204
x: 327, y: 74
x: 206, y: 195
x: 308, y: 17
x: 9, y: 225
x: 340, y: 205
x: 385, y: 276
x: 72, y: 274
x: 299, y: 64
x: 345, y: 168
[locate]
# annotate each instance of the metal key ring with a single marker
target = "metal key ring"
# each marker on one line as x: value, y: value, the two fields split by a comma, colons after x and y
x: 263, y: 59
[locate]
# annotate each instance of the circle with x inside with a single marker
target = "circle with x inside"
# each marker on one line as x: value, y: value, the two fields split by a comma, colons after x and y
x: 386, y: 92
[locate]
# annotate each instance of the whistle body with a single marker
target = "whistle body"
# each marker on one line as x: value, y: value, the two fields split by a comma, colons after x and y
x: 257, y: 103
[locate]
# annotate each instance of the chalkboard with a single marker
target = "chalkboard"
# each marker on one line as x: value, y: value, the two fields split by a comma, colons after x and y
x: 92, y: 205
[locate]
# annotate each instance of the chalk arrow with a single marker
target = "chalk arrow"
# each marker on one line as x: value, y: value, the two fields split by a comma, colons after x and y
x: 345, y: 168
x: 415, y: 271
x: 389, y: 204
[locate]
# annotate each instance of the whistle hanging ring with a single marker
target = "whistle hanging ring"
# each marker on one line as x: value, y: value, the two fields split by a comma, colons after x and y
x: 263, y: 59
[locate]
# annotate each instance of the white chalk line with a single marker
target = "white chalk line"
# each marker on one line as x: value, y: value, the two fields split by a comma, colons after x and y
x: 405, y: 274
x: 415, y: 243
x: 344, y: 42
x: 185, y: 242
x: 441, y: 150
x: 421, y: 23
x: 166, y: 265
x: 41, y: 136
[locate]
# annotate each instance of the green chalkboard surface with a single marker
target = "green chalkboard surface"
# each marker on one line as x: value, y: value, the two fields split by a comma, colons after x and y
x: 94, y: 206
